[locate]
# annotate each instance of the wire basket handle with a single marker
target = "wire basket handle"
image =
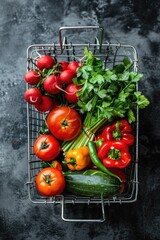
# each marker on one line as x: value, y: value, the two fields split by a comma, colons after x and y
x: 80, y: 28
x: 83, y: 219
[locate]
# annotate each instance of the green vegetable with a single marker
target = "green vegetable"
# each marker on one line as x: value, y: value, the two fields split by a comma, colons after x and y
x: 106, y: 94
x: 44, y: 129
x: 96, y: 161
x: 91, y: 183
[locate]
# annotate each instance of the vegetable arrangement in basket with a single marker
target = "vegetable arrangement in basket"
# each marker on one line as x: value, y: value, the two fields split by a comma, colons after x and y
x: 88, y: 131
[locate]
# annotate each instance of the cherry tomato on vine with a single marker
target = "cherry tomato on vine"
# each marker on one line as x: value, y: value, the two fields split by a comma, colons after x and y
x: 50, y: 182
x: 64, y: 123
x: 46, y: 147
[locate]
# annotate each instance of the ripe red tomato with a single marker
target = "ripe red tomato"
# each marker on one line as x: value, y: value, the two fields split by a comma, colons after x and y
x: 46, y: 147
x: 64, y: 123
x: 66, y: 76
x: 56, y: 164
x: 72, y: 66
x: 32, y: 77
x: 71, y: 93
x: 52, y: 84
x: 46, y: 104
x: 45, y: 61
x: 50, y: 182
x: 33, y: 96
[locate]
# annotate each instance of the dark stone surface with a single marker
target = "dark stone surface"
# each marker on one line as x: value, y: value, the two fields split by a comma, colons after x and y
x: 23, y: 23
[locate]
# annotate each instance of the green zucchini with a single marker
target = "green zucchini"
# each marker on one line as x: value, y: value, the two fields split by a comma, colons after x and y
x: 91, y: 183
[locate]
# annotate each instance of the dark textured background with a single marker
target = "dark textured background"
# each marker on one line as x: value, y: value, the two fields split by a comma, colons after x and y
x: 23, y: 23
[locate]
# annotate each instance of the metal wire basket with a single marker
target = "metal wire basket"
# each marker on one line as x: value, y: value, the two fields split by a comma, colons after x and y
x: 111, y: 54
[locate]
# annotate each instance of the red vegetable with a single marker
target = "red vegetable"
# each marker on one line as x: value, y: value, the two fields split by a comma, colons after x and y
x: 46, y: 104
x: 73, y: 66
x: 50, y: 182
x: 56, y: 164
x: 45, y: 61
x: 120, y: 130
x: 52, y: 84
x: 33, y: 96
x: 46, y: 147
x: 32, y: 77
x: 114, y: 154
x: 122, y: 176
x: 66, y: 76
x: 64, y: 123
x: 71, y: 93
x: 64, y: 65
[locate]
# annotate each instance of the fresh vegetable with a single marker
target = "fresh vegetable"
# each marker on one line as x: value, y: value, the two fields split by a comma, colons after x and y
x: 64, y: 123
x: 64, y: 65
x: 121, y: 174
x: 120, y: 130
x: 32, y: 77
x: 114, y: 154
x: 46, y: 104
x: 53, y: 164
x: 50, y: 182
x: 33, y: 96
x: 106, y: 94
x: 44, y: 129
x: 71, y: 93
x: 56, y: 164
x: 52, y: 84
x: 73, y: 66
x: 46, y: 147
x: 45, y: 61
x: 91, y: 183
x: 78, y: 159
x: 96, y: 161
x: 66, y: 76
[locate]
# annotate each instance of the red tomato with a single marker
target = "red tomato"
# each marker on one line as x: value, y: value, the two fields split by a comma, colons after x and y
x: 33, y: 96
x: 71, y: 93
x: 50, y: 182
x: 46, y: 104
x: 46, y: 147
x: 52, y: 84
x: 64, y: 123
x: 56, y: 164
x: 66, y: 76
x: 45, y: 61
x: 73, y: 66
x: 32, y: 77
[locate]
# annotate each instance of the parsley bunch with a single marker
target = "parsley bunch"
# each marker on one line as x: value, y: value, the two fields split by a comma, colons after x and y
x: 106, y: 94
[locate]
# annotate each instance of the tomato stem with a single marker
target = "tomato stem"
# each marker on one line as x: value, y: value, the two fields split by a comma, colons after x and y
x: 47, y: 179
x: 44, y: 144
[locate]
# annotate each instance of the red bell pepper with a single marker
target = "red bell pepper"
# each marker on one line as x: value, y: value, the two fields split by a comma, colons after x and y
x: 98, y: 140
x: 120, y: 130
x: 114, y: 154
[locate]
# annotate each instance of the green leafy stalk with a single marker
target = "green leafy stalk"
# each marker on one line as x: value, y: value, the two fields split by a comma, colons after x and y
x: 106, y: 94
